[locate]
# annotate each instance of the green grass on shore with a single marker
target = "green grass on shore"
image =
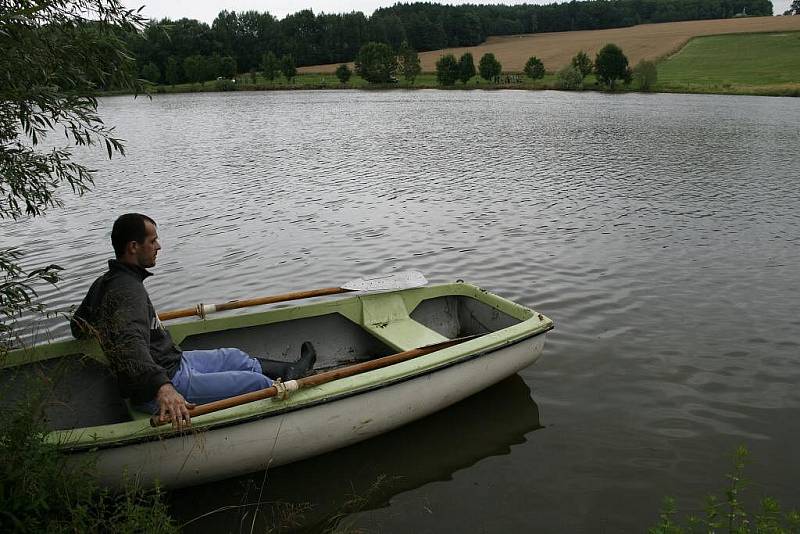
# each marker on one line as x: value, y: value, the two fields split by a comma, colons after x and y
x: 758, y: 63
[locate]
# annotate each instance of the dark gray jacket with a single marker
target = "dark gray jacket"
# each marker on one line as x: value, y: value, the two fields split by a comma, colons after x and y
x: 118, y: 311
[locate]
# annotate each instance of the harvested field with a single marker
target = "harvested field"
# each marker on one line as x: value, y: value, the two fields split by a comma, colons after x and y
x: 647, y: 41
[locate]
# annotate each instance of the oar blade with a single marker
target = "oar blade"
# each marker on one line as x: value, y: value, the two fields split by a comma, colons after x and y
x: 387, y: 282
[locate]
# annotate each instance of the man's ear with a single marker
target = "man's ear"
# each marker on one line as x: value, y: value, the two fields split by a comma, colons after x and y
x: 131, y: 247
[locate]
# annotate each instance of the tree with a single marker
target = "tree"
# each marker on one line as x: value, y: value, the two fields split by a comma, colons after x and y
x: 534, y: 68
x: 288, y: 68
x: 611, y: 65
x: 408, y: 62
x: 794, y: 9
x: 376, y: 63
x: 270, y: 66
x: 569, y: 78
x: 172, y: 72
x: 447, y: 70
x: 466, y: 68
x: 582, y: 62
x: 227, y: 67
x: 489, y: 68
x: 193, y: 68
x: 646, y: 74
x: 151, y: 72
x: 343, y: 72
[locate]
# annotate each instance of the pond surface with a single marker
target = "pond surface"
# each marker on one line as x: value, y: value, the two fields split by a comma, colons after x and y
x: 660, y: 232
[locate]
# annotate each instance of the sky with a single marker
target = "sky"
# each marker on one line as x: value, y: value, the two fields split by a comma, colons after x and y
x: 207, y: 10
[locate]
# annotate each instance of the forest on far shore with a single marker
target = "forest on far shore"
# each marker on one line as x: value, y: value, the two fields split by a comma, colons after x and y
x: 237, y: 42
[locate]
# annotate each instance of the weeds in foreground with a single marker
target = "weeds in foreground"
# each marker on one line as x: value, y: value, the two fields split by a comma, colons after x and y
x: 730, y: 515
x: 41, y: 492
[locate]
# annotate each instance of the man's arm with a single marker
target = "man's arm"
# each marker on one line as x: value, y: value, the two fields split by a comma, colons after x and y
x: 127, y: 322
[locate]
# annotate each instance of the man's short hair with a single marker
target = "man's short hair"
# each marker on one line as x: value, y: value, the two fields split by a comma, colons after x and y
x: 127, y: 228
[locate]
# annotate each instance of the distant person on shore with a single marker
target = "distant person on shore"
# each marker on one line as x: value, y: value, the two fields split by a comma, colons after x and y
x: 152, y: 371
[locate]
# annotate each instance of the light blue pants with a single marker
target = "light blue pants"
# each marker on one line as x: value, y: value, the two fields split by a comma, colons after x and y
x: 210, y: 375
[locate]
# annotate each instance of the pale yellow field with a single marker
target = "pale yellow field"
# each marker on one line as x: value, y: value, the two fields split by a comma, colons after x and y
x: 647, y: 41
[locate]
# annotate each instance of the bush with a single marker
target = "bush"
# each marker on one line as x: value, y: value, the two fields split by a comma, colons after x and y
x: 447, y: 70
x: 376, y: 63
x: 343, y: 72
x: 466, y: 68
x: 225, y: 85
x: 39, y: 493
x: 569, y: 78
x: 582, y: 62
x: 489, y: 68
x: 645, y: 74
x: 534, y: 68
x: 611, y: 65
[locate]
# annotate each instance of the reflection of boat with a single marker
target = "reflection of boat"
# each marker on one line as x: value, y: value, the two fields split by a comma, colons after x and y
x: 425, y: 451
x: 311, y: 421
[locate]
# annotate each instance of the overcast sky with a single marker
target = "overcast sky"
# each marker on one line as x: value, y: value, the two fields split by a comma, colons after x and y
x: 207, y: 10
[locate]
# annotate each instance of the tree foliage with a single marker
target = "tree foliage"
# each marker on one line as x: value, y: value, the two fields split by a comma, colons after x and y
x: 408, y: 62
x: 466, y: 68
x: 611, y: 65
x: 489, y: 68
x: 56, y: 56
x: 270, y: 66
x: 447, y: 71
x: 326, y: 38
x: 569, y: 78
x: 645, y: 74
x: 534, y: 68
x: 376, y: 63
x: 288, y: 68
x: 582, y: 62
x: 344, y: 73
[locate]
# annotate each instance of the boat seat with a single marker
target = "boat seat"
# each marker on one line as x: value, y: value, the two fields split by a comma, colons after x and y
x: 386, y: 317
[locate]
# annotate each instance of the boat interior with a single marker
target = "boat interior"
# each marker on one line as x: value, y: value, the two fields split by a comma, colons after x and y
x: 82, y: 390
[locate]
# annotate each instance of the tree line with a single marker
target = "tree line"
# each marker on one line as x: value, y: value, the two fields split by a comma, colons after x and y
x: 311, y: 39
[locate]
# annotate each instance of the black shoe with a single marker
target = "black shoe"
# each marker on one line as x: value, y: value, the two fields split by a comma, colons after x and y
x: 291, y: 370
x: 300, y: 368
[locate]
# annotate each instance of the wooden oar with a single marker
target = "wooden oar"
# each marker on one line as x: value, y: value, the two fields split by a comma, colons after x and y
x: 403, y: 280
x: 315, y: 380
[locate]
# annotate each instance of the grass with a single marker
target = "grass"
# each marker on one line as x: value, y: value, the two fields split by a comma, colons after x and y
x: 328, y: 81
x: 735, y: 62
x: 734, y: 513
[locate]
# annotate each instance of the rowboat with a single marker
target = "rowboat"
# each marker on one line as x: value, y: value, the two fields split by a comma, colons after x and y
x: 486, y: 338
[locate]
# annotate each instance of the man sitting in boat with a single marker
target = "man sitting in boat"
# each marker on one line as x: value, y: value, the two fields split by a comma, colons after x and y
x: 152, y: 371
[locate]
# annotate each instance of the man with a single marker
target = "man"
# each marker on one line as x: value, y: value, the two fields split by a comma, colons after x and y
x: 151, y: 369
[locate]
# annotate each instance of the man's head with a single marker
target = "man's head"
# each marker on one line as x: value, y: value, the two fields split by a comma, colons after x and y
x: 135, y: 240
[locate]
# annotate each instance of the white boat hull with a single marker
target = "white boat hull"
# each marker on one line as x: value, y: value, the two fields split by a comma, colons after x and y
x: 237, y: 449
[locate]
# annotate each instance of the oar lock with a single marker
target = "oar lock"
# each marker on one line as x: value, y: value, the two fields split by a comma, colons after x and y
x: 201, y: 310
x: 284, y: 388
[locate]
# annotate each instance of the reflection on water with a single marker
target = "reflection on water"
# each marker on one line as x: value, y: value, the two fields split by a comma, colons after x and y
x: 367, y: 475
x: 661, y: 233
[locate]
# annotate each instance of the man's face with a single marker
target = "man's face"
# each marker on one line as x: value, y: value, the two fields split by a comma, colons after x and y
x: 146, y: 252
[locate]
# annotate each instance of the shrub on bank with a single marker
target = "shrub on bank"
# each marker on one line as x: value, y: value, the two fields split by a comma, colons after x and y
x: 569, y: 78
x: 645, y: 74
x: 40, y: 493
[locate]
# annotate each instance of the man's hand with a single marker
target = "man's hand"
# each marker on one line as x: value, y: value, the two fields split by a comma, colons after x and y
x: 173, y: 407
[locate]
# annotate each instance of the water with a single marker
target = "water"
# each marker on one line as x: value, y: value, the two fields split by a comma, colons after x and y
x: 660, y: 232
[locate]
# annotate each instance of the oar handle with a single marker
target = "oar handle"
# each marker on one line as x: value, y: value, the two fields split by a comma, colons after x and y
x: 202, y: 309
x: 316, y: 380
